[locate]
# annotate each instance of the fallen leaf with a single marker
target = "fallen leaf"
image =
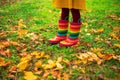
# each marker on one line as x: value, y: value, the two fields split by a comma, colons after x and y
x: 2, y: 52
x: 29, y: 76
x: 13, y: 69
x: 83, y: 70
x: 117, y: 45
x: 65, y: 76
x: 46, y: 73
x: 100, y: 55
x: 38, y: 63
x: 59, y: 66
x: 23, y: 65
x: 108, y: 57
x: 6, y: 64
x: 2, y: 61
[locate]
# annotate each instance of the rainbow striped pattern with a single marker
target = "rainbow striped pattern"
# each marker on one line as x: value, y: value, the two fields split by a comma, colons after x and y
x: 74, y: 30
x: 62, y: 28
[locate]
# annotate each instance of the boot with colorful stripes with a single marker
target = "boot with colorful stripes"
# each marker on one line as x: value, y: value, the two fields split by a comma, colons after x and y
x: 62, y: 32
x: 73, y: 36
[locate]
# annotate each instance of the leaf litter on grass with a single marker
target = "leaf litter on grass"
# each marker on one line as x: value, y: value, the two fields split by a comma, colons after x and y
x: 39, y: 65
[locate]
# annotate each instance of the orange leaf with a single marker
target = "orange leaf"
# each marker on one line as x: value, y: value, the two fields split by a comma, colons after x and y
x: 13, y: 69
x: 108, y: 56
x: 6, y: 64
x: 65, y: 76
x: 2, y: 53
x: 38, y: 63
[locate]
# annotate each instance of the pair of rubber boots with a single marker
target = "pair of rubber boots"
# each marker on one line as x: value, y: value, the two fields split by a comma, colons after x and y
x: 62, y: 38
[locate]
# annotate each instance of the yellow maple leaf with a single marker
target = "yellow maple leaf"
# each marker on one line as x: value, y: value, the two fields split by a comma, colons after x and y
x: 100, y: 55
x: 23, y: 65
x: 59, y: 66
x: 29, y: 76
x: 21, y: 24
x: 95, y: 50
x: 59, y: 59
x: 21, y: 33
x: 114, y: 35
x: 100, y: 30
x: 50, y: 64
x: 117, y: 45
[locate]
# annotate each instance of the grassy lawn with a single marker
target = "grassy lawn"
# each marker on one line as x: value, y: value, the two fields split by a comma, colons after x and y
x: 26, y: 26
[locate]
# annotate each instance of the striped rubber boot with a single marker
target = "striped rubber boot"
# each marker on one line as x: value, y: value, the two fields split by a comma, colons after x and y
x: 73, y: 36
x: 62, y: 32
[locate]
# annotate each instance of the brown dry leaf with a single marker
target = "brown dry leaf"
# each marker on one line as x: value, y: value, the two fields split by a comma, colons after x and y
x: 2, y: 52
x: 114, y: 17
x: 46, y: 73
x: 66, y: 61
x: 116, y: 29
x: 83, y: 70
x: 23, y: 54
x: 118, y: 75
x: 6, y: 64
x: 29, y: 76
x: 8, y: 53
x: 13, y: 69
x: 89, y: 57
x: 117, y: 45
x: 11, y: 76
x: 65, y: 76
x: 55, y: 73
x: 117, y: 57
x: 114, y: 36
x: 108, y: 56
x: 23, y: 65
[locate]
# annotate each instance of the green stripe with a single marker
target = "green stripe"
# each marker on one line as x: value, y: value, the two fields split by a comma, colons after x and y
x: 61, y: 34
x: 62, y: 31
x: 74, y: 34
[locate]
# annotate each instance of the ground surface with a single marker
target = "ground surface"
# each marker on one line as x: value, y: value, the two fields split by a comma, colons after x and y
x: 25, y: 27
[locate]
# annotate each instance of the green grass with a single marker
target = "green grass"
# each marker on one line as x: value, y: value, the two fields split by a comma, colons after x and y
x: 41, y: 17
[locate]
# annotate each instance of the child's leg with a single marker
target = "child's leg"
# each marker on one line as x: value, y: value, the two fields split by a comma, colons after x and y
x: 74, y: 29
x: 62, y: 27
x: 76, y: 15
x: 65, y: 14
